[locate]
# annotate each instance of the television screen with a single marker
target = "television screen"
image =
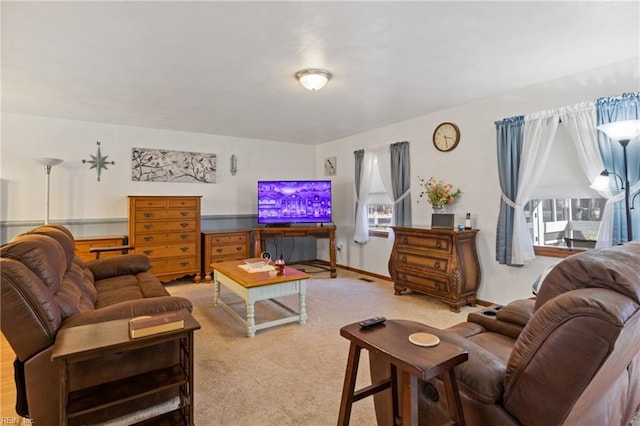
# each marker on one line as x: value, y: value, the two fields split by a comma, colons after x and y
x: 294, y: 201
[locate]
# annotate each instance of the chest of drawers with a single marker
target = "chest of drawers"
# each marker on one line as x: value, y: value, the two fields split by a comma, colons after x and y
x: 442, y: 263
x: 167, y: 230
x: 222, y: 246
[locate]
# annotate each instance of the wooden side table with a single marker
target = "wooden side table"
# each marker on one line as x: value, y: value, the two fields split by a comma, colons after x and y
x: 81, y: 343
x: 391, y: 341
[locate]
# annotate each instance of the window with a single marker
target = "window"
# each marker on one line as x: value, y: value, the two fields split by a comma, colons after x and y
x: 380, y: 206
x: 565, y: 213
x: 564, y: 222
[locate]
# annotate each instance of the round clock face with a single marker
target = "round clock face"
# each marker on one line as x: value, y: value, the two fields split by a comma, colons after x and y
x: 446, y: 137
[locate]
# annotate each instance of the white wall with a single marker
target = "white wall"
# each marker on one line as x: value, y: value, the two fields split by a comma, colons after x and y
x: 472, y: 167
x: 76, y: 194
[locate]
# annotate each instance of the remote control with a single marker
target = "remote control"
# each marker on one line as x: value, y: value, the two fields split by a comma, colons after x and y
x: 372, y: 321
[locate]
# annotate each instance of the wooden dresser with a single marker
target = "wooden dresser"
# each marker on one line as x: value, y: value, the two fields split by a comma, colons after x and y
x: 220, y: 246
x: 442, y: 263
x: 167, y: 230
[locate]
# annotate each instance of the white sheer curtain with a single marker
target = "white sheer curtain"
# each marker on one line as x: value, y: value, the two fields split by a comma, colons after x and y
x: 539, y: 131
x: 580, y: 120
x: 374, y: 161
x: 384, y: 167
x: 361, y: 229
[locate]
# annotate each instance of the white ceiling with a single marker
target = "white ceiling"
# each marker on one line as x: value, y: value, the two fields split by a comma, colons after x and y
x: 227, y: 68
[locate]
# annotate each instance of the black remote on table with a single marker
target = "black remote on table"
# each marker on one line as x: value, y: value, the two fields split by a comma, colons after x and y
x: 372, y: 321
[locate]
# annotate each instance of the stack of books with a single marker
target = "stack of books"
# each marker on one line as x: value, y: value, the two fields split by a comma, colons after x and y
x: 148, y: 325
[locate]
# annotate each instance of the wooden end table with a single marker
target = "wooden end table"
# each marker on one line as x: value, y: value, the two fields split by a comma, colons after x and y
x: 256, y: 286
x: 390, y: 340
x: 84, y: 342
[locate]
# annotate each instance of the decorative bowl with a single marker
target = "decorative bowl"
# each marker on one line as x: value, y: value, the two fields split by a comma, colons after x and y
x: 256, y: 263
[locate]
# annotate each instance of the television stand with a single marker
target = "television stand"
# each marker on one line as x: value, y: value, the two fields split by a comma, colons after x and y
x: 327, y: 231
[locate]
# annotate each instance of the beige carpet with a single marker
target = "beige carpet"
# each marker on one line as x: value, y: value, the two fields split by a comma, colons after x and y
x: 292, y: 374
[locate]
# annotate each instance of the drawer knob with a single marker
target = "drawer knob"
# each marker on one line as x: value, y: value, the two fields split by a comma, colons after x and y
x: 148, y: 214
x: 239, y: 248
x: 436, y: 264
x: 403, y: 259
x: 148, y: 226
x: 405, y: 240
x: 148, y: 238
x: 219, y: 250
x: 148, y: 252
x: 185, y: 214
x: 184, y: 224
x: 184, y: 263
x: 438, y: 244
x: 184, y: 249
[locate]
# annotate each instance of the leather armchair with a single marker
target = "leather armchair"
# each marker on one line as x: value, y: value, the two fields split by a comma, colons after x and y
x: 568, y: 356
x: 45, y: 288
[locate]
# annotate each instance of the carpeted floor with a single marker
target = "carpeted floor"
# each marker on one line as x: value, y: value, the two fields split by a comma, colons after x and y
x: 292, y: 374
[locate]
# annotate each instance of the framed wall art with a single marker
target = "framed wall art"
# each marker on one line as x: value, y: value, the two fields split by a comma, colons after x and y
x: 161, y: 165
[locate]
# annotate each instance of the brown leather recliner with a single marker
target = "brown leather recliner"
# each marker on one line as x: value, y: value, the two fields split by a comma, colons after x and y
x: 569, y: 356
x: 45, y: 288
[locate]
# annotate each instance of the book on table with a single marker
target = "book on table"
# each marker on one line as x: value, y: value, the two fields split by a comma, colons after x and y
x: 148, y: 325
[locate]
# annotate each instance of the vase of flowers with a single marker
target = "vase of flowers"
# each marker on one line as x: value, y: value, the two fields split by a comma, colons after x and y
x: 438, y: 193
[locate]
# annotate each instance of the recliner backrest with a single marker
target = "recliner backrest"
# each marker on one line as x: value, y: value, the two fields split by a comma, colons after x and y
x: 577, y: 336
x: 562, y: 348
x: 616, y: 268
x: 43, y: 283
x: 31, y: 316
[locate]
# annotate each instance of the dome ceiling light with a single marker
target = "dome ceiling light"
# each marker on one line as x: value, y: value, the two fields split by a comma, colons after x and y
x: 313, y: 79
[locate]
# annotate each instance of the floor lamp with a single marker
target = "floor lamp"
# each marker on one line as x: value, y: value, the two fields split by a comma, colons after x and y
x: 622, y: 131
x: 48, y: 163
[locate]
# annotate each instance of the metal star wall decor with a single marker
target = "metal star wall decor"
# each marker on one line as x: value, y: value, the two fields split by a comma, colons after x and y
x: 98, y: 162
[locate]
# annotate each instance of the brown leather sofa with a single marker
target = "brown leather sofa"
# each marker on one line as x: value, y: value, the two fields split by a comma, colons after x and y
x: 45, y: 288
x: 569, y: 356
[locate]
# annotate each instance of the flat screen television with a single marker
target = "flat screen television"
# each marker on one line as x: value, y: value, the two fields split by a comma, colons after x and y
x: 283, y: 202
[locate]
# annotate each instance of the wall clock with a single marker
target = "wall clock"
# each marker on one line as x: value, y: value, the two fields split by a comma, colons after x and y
x: 446, y: 137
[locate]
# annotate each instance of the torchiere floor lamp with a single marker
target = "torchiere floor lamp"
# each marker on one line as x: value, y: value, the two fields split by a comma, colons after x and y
x: 48, y: 163
x: 622, y: 131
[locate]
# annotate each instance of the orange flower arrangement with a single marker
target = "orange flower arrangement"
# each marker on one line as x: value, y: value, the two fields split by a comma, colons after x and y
x: 438, y: 193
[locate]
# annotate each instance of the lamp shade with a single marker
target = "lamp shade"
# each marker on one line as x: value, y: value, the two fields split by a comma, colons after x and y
x: 313, y: 79
x: 601, y: 183
x: 621, y: 130
x: 47, y: 161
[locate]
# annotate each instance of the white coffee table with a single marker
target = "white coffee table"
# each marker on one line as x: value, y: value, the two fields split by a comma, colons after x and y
x: 255, y: 286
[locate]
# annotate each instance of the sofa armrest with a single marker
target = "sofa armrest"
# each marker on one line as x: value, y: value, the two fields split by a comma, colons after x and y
x: 126, y: 264
x: 508, y: 320
x: 130, y: 309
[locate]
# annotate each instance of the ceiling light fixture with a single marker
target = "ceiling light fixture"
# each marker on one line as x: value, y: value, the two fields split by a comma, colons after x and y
x: 313, y: 79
